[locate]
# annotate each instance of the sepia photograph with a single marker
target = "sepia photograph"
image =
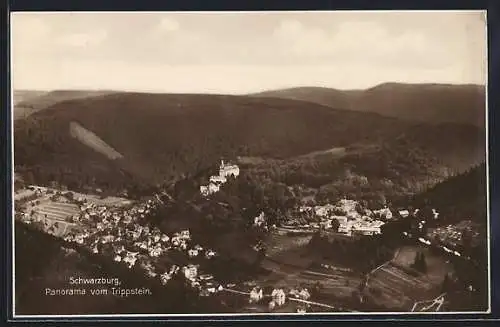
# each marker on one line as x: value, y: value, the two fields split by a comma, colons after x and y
x: 249, y: 163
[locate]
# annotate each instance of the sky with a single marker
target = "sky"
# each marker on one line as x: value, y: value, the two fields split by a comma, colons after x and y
x: 244, y: 52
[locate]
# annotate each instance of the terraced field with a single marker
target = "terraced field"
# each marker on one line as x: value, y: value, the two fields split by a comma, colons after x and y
x: 289, y: 262
x: 107, y: 201
x: 53, y: 216
x: 396, y: 285
x: 396, y: 288
x: 56, y: 210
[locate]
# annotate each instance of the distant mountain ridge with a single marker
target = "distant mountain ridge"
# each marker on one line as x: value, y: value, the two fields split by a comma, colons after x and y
x: 29, y: 102
x: 430, y: 103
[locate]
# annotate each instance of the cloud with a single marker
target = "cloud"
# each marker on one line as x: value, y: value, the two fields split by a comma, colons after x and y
x: 350, y: 41
x: 92, y: 38
x: 168, y: 25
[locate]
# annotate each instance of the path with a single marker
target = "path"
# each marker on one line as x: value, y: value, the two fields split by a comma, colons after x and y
x: 438, y: 302
x: 381, y: 266
x: 319, y: 274
x: 289, y: 298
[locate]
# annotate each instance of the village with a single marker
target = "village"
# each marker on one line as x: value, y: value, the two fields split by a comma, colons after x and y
x: 116, y: 228
x: 118, y: 233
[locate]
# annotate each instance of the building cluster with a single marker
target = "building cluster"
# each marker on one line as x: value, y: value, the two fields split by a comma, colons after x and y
x: 260, y: 220
x: 118, y: 233
x: 216, y: 181
x: 353, y: 220
x: 279, y: 296
x: 453, y: 235
x: 350, y: 221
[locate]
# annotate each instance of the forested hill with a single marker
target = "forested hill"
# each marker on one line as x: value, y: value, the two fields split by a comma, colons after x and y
x: 29, y: 102
x: 430, y: 103
x: 166, y: 136
x: 460, y: 197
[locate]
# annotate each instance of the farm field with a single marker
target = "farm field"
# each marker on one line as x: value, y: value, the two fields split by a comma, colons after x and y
x: 437, y: 266
x: 96, y: 199
x: 56, y: 210
x: 396, y: 286
x: 53, y: 216
x: 277, y: 243
x: 57, y: 228
x: 107, y: 201
x: 289, y: 261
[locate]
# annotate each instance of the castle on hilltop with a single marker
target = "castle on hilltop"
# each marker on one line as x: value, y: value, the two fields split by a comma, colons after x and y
x: 216, y: 181
x: 228, y: 170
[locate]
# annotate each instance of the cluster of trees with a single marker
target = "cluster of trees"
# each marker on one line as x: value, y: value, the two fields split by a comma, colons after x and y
x: 458, y: 198
x: 395, y: 170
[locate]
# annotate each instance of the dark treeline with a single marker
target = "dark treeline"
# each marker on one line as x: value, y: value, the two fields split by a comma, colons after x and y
x: 458, y: 198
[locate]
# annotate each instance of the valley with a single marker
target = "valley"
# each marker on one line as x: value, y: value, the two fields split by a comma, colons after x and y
x: 117, y: 178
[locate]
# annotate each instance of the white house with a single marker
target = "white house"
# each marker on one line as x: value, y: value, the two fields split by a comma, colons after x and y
x: 260, y: 220
x: 206, y: 277
x: 130, y: 258
x: 185, y: 234
x: 209, y: 189
x: 323, y: 211
x: 279, y: 296
x: 256, y: 295
x: 165, y: 277
x: 304, y: 294
x: 190, y: 271
x: 384, y: 213
x: 345, y: 227
x: 210, y: 254
x: 404, y: 213
x: 366, y: 230
x: 301, y: 309
x: 218, y: 179
x: 174, y: 269
x: 155, y: 252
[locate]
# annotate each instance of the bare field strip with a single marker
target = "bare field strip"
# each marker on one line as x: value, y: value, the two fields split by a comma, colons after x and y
x: 280, y: 243
x: 57, y: 211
